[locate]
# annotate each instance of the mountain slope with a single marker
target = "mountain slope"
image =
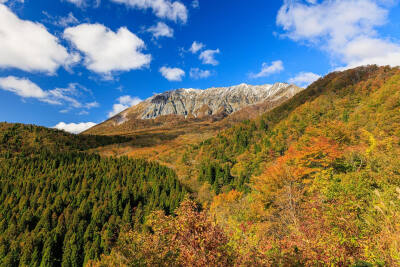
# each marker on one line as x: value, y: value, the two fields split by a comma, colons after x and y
x: 313, y: 182
x: 337, y: 98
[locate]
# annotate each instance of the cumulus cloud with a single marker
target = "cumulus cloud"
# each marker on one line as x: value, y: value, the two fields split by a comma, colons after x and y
x: 266, y: 70
x: 161, y: 30
x: 196, y: 47
x: 29, y: 46
x: 197, y: 73
x: 123, y: 103
x: 346, y: 29
x: 366, y: 50
x: 167, y: 9
x: 304, y: 79
x: 106, y: 51
x: 58, y: 96
x: 22, y: 87
x: 207, y: 57
x: 172, y: 74
x: 74, y: 128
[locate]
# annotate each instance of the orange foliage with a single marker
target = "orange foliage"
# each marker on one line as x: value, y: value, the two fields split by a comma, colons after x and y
x: 189, y: 239
x: 299, y: 164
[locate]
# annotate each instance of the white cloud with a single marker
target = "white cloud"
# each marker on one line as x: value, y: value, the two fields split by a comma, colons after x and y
x: 304, y: 79
x: 117, y: 108
x: 195, y: 4
x: 346, y: 29
x: 5, y: 1
x: 68, y: 20
x: 124, y: 102
x: 196, y: 47
x: 207, y: 57
x: 172, y: 74
x: 78, y: 3
x: 128, y: 100
x: 83, y: 112
x: 29, y: 46
x: 84, y: 3
x: 106, y: 51
x: 63, y: 22
x: 58, y: 96
x: 91, y: 105
x: 22, y: 87
x: 161, y: 30
x: 266, y: 70
x: 75, y: 128
x: 197, y: 73
x: 366, y: 50
x: 175, y: 11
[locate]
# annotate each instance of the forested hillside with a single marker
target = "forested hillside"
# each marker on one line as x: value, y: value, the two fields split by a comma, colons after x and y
x: 314, y: 182
x: 28, y: 139
x: 344, y: 106
x: 63, y: 207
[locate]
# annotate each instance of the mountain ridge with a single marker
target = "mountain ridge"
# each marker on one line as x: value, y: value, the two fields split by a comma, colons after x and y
x: 211, y: 101
x: 188, y: 105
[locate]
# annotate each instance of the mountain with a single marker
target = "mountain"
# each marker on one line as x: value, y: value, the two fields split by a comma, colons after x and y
x: 166, y: 123
x: 193, y: 105
x: 213, y: 101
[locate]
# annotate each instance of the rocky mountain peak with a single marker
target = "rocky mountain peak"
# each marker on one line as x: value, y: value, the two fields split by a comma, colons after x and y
x: 201, y: 103
x: 237, y: 102
x: 212, y: 101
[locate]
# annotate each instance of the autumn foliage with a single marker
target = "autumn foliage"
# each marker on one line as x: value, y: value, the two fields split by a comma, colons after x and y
x: 187, y: 239
x: 313, y: 182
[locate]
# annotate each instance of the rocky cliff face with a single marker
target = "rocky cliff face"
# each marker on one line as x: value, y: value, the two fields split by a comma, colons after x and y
x: 200, y: 103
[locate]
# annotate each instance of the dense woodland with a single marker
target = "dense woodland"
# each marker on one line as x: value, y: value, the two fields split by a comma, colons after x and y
x: 62, y: 207
x: 314, y: 182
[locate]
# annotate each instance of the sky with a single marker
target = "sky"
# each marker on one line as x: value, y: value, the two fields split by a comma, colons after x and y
x: 71, y: 64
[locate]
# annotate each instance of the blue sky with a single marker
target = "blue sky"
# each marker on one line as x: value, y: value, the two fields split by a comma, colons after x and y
x: 74, y: 63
